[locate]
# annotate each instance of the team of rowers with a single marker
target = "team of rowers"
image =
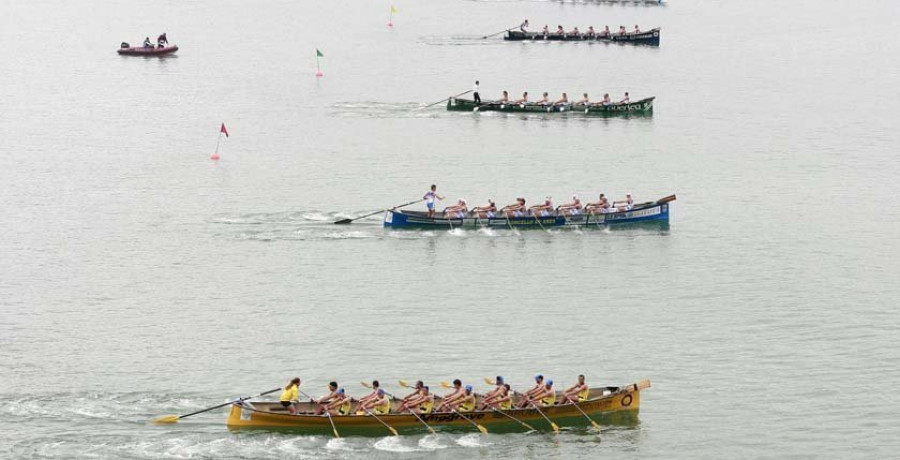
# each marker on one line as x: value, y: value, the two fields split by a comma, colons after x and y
x: 589, y: 33
x: 518, y: 209
x: 563, y: 101
x: 422, y: 401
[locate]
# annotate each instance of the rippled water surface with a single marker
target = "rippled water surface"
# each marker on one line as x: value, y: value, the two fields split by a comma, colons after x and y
x: 138, y: 278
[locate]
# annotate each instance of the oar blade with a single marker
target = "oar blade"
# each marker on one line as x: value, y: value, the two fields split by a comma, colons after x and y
x: 365, y: 384
x: 555, y: 427
x: 488, y: 381
x: 166, y: 419
x: 482, y: 429
x: 343, y: 221
x: 394, y: 431
x: 403, y: 383
x: 446, y: 384
x: 596, y: 425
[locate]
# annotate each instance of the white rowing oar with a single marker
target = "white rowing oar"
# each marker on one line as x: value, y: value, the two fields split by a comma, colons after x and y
x: 347, y: 221
x: 175, y: 418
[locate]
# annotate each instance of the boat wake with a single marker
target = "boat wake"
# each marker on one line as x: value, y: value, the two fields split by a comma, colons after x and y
x: 472, y: 440
x: 460, y: 40
x: 383, y: 110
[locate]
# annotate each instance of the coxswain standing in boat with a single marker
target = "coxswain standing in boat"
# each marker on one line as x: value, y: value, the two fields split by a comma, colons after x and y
x: 601, y: 206
x: 457, y: 211
x: 571, y: 209
x: 486, y: 212
x: 162, y: 41
x: 515, y: 210
x: 524, y: 99
x: 625, y: 99
x: 290, y: 396
x: 429, y: 200
x: 524, y: 26
x: 544, y: 209
x: 452, y: 396
x: 421, y: 403
x: 627, y: 204
x: 537, y: 388
x: 475, y: 94
x: 380, y: 404
x: 578, y: 392
x: 324, y: 401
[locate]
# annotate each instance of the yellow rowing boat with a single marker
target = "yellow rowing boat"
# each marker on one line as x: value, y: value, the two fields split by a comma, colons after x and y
x: 605, y: 405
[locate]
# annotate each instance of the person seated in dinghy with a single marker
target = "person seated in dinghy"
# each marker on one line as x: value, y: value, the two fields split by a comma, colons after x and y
x: 327, y: 399
x: 457, y: 211
x: 562, y: 102
x: 544, y: 100
x: 486, y: 212
x: 162, y: 41
x: 515, y: 210
x: 571, y: 209
x: 148, y: 43
x: 544, y: 209
x: 600, y: 206
x: 524, y: 99
x: 380, y: 404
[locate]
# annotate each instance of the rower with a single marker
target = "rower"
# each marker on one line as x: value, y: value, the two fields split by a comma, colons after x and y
x: 502, y: 400
x: 486, y: 212
x: 544, y: 100
x: 340, y: 405
x: 503, y: 99
x: 605, y: 32
x: 575, y: 32
x: 423, y: 403
x: 466, y: 402
x: 415, y: 394
x: 627, y: 204
x: 524, y: 26
x: 375, y: 387
x: 545, y: 31
x: 560, y: 30
x: 457, y: 211
x: 572, y: 209
x: 147, y: 43
x: 606, y: 100
x: 381, y: 404
x: 601, y: 206
x: 563, y: 101
x: 538, y: 387
x: 585, y: 101
x: 290, y: 396
x: 487, y: 397
x: 547, y: 397
x: 429, y: 200
x: 625, y: 99
x: 542, y: 210
x: 524, y: 99
x: 590, y: 32
x: 578, y: 392
x: 451, y: 397
x: 637, y: 29
x: 327, y: 399
x: 162, y: 41
x: 622, y: 31
x: 515, y: 210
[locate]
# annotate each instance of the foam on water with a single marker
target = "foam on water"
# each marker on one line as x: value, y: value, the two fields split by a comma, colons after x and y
x: 394, y: 444
x: 431, y: 442
x: 472, y: 440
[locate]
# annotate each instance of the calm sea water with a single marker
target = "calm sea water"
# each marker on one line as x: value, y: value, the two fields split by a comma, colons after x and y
x: 138, y: 278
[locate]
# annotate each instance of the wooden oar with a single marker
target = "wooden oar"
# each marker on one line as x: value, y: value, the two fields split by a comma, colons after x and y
x: 575, y: 403
x: 382, y: 422
x: 336, y: 435
x: 175, y: 418
x: 482, y: 429
x: 498, y: 33
x: 447, y: 99
x: 553, y: 425
x: 347, y: 221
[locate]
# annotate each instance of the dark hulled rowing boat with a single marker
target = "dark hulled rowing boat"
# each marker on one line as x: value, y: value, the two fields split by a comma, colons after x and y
x: 647, y: 37
x: 640, y: 107
x: 654, y: 211
x: 147, y: 51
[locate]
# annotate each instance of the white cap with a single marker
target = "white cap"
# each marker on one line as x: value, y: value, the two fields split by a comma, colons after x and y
x: 463, y: 200
x: 574, y: 196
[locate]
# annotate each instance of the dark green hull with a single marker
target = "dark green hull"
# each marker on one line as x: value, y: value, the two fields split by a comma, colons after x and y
x: 641, y: 107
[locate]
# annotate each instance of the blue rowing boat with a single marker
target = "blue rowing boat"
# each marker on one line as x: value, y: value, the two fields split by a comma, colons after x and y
x: 651, y: 212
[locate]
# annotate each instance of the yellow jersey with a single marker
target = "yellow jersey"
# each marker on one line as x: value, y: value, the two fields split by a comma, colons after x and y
x: 344, y: 408
x: 506, y: 405
x: 426, y: 406
x: 583, y: 394
x: 291, y: 394
x: 468, y: 404
x: 549, y: 400
x: 384, y: 407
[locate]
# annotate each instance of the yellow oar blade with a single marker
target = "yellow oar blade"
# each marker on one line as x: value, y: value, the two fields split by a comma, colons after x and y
x: 555, y: 427
x: 488, y: 381
x: 166, y: 419
x: 596, y: 425
x: 394, y: 431
x: 446, y: 384
x: 482, y: 429
x: 365, y: 384
x: 403, y: 383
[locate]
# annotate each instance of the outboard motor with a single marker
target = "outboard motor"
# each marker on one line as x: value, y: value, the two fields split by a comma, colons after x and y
x: 125, y: 45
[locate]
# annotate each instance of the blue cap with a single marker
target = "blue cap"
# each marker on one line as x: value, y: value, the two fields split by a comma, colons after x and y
x: 468, y: 387
x: 341, y: 390
x: 538, y: 376
x: 499, y: 379
x: 549, y: 383
x: 380, y: 391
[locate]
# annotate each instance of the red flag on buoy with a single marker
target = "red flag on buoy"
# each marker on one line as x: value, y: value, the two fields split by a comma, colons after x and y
x: 223, y: 130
